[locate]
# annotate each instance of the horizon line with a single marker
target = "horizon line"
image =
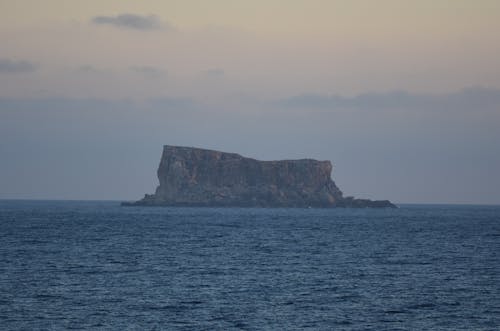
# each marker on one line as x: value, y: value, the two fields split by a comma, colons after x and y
x: 125, y: 200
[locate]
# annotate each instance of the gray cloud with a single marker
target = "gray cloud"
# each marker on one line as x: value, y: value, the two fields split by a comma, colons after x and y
x: 149, y: 71
x: 87, y: 68
x: 132, y: 21
x: 215, y: 72
x: 90, y: 70
x: 93, y: 104
x: 62, y: 104
x: 11, y: 66
x: 172, y: 103
x: 470, y: 98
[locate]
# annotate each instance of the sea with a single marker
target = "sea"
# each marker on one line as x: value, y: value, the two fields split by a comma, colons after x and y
x: 91, y: 265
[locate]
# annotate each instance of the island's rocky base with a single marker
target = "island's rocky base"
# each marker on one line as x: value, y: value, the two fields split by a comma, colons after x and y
x: 195, y: 177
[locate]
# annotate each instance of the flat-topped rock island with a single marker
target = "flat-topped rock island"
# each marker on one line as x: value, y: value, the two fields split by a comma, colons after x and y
x: 205, y: 178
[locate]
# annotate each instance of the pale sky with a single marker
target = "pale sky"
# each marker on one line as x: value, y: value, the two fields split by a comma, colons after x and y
x: 403, y: 96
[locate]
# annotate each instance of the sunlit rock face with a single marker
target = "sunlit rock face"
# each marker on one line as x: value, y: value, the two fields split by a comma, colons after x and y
x: 199, y: 177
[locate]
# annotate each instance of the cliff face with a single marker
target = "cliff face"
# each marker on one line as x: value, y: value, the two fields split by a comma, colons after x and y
x: 199, y: 177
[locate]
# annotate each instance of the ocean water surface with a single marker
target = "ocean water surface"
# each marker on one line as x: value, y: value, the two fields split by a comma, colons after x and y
x: 96, y: 265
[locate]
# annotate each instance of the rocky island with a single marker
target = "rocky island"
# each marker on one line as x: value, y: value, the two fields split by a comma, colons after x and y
x: 199, y: 177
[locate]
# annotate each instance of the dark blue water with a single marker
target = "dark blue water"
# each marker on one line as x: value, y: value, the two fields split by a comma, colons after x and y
x: 96, y: 265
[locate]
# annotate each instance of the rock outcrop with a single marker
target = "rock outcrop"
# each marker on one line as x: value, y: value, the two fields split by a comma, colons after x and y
x: 199, y: 177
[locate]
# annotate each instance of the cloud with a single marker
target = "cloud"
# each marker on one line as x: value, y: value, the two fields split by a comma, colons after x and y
x: 178, y: 103
x: 11, y: 66
x: 95, y: 105
x: 87, y: 68
x: 149, y: 71
x: 62, y: 104
x: 90, y: 70
x: 132, y: 21
x: 215, y: 72
x: 471, y: 98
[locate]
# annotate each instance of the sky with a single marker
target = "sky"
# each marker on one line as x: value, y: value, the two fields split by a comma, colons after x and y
x: 402, y: 96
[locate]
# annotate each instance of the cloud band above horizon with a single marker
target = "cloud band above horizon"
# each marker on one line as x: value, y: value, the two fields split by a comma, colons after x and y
x: 130, y: 21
